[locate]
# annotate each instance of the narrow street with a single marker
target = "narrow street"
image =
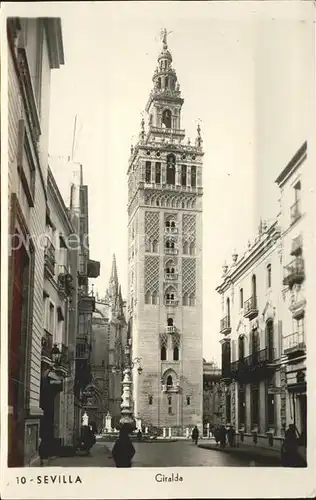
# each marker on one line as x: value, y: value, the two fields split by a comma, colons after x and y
x: 174, y: 454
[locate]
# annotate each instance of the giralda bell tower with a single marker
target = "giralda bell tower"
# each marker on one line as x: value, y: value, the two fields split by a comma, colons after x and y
x: 165, y: 261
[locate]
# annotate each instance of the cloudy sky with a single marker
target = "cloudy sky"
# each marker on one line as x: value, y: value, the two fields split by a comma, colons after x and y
x: 244, y: 70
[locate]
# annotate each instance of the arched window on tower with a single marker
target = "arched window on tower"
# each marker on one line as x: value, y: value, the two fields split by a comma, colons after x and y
x: 166, y: 118
x: 171, y: 169
x: 193, y: 176
x: 192, y: 248
x: 170, y: 297
x: 176, y: 354
x: 192, y: 300
x: 183, y: 175
x: 158, y: 173
x: 155, y: 246
x: 170, y: 322
x: 148, y: 172
x: 159, y: 83
x: 154, y: 298
x: 163, y: 353
x: 185, y: 299
x: 169, y: 381
x: 186, y: 248
x: 166, y: 82
x: 147, y: 298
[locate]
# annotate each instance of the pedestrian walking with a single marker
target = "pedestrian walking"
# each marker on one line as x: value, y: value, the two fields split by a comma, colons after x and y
x: 222, y: 436
x: 195, y: 434
x: 139, y: 435
x: 217, y: 435
x: 123, y: 450
x: 231, y: 436
x: 290, y: 456
x: 43, y: 451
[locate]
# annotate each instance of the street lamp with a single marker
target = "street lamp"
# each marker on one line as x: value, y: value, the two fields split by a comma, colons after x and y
x: 56, y: 354
x: 127, y: 420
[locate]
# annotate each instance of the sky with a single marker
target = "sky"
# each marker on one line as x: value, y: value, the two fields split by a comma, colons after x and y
x: 244, y: 70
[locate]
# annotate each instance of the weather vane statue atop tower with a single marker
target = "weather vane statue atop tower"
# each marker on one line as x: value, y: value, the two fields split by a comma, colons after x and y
x: 163, y: 35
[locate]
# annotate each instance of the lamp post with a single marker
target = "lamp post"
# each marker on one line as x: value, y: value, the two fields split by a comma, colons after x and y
x: 127, y: 419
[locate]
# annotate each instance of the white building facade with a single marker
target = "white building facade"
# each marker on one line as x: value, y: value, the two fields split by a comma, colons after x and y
x: 251, y: 339
x: 58, y: 365
x: 263, y: 327
x: 293, y: 221
x: 165, y: 262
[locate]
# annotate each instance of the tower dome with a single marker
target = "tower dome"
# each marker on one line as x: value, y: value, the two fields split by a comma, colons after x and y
x: 165, y: 54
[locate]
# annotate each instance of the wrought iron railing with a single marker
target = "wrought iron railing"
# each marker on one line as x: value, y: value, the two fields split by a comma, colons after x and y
x: 171, y: 251
x: 225, y: 323
x: 294, y: 341
x: 171, y: 302
x: 170, y: 329
x: 250, y: 305
x: 171, y: 276
x: 294, y: 272
x: 255, y: 359
x: 171, y: 229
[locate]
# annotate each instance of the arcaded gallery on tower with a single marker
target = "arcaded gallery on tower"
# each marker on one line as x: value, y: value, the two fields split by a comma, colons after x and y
x: 165, y: 261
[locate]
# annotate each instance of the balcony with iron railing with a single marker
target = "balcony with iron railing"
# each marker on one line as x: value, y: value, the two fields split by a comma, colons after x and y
x: 83, y: 348
x: 47, y: 346
x: 251, y: 308
x: 294, y: 344
x: 225, y: 327
x: 49, y: 259
x: 64, y: 281
x: 295, y: 211
x: 171, y: 230
x: 170, y: 388
x: 297, y: 246
x: 86, y: 304
x: 171, y: 251
x: 257, y: 364
x: 294, y: 272
x: 171, y: 276
x: 171, y: 302
x: 170, y: 329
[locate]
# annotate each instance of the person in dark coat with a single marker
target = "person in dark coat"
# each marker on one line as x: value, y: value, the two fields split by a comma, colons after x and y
x: 43, y: 451
x: 88, y: 438
x: 195, y: 434
x: 123, y: 450
x: 139, y: 435
x: 231, y: 435
x: 222, y: 436
x: 290, y: 456
x: 217, y: 435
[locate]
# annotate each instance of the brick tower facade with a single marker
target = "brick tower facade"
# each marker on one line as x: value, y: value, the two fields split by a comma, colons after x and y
x: 165, y: 261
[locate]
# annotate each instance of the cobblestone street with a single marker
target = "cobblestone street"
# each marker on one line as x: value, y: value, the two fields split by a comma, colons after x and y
x: 173, y: 454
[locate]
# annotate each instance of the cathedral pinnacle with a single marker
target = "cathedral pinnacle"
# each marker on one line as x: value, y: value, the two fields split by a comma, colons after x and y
x: 198, y: 140
x: 114, y: 271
